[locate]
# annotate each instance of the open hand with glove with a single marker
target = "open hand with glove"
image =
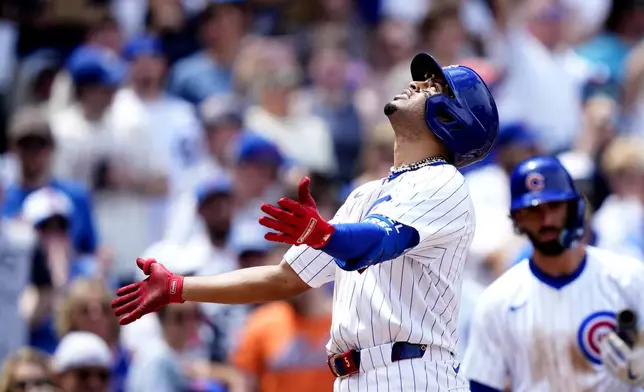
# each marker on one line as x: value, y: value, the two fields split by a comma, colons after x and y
x: 159, y: 289
x: 297, y: 222
x: 623, y: 362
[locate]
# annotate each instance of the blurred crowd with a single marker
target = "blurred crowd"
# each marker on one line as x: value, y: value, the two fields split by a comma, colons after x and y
x: 155, y: 128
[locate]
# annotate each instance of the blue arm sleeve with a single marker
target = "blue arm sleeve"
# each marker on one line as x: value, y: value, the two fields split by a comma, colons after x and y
x: 476, y: 387
x: 358, y: 245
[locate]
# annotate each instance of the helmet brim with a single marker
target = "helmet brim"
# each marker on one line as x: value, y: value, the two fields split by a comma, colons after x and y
x: 423, y: 66
x: 534, y: 199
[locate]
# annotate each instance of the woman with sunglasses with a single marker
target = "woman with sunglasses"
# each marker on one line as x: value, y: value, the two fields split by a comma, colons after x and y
x: 86, y: 308
x: 26, y: 371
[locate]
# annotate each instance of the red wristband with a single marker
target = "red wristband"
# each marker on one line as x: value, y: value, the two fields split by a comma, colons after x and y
x: 175, y: 289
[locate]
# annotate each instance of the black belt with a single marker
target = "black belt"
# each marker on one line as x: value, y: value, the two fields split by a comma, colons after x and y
x: 348, y: 363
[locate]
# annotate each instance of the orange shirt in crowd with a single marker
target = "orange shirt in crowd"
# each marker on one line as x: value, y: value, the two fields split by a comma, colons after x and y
x: 285, y: 351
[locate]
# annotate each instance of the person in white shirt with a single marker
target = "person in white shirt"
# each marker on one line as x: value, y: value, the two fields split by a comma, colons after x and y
x: 304, y: 138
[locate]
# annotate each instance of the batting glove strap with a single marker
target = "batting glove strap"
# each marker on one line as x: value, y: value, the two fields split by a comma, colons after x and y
x: 623, y: 362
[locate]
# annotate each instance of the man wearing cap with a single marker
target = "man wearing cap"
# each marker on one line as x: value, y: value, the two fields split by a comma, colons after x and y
x: 83, y: 131
x: 82, y: 362
x: 33, y: 143
x: 208, y: 72
x: 170, y: 122
x: 49, y: 211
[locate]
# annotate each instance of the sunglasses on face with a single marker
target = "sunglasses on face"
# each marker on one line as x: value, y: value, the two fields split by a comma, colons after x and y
x: 182, y: 318
x: 87, y: 308
x: 84, y: 375
x: 26, y: 385
x: 33, y: 143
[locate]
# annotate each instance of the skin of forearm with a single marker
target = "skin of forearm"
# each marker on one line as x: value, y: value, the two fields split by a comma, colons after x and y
x: 245, y: 286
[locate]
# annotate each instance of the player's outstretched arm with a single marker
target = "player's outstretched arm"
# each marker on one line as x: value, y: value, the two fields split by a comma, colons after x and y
x: 162, y: 287
x: 353, y: 245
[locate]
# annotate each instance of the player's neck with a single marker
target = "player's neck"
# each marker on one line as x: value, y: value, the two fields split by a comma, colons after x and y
x: 408, y: 151
x: 563, y: 264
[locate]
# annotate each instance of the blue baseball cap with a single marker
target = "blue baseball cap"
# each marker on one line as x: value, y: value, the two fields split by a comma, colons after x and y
x: 94, y: 65
x: 143, y: 45
x: 253, y: 148
x: 516, y: 134
x: 221, y: 185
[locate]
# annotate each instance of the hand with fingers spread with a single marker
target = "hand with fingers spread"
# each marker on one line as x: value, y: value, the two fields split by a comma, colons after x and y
x: 297, y: 222
x: 159, y: 289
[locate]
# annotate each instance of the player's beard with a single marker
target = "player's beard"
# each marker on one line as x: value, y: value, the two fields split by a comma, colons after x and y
x: 548, y: 248
x: 390, y: 108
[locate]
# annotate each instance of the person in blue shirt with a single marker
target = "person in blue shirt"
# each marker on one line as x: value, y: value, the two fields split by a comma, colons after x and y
x: 34, y: 145
x: 209, y: 71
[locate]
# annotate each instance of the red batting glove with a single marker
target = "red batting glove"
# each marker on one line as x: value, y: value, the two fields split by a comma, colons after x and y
x: 159, y: 289
x: 298, y: 222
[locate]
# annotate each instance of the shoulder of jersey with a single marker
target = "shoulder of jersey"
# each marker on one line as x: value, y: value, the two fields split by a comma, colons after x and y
x: 624, y: 269
x: 365, y: 188
x: 505, y: 288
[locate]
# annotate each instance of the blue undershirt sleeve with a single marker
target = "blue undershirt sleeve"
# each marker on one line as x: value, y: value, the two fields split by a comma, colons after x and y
x: 375, y: 240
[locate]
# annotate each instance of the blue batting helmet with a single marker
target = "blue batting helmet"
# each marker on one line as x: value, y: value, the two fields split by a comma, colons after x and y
x: 542, y: 180
x: 465, y: 118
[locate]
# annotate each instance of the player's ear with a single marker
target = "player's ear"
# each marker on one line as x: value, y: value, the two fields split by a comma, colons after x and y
x: 516, y: 227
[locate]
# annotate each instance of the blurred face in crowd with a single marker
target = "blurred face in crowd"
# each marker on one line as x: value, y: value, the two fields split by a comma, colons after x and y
x: 446, y: 39
x: 30, y: 377
x: 543, y: 224
x: 180, y: 323
x: 252, y: 178
x: 92, y: 314
x: 329, y: 68
x: 220, y: 138
x: 628, y: 182
x: 217, y: 211
x: 511, y: 155
x: 85, y: 379
x: 395, y: 40
x: 225, y: 26
x: 548, y: 22
x: 166, y: 15
x: 107, y: 35
x: 408, y: 107
x: 53, y: 229
x: 335, y: 9
x: 35, y: 154
x: 148, y: 71
x: 96, y: 98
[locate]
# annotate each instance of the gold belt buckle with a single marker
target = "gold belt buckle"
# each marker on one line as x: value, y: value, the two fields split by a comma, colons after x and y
x: 334, y: 368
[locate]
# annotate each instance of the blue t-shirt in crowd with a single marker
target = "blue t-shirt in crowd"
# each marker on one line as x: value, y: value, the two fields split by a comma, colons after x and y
x: 82, y: 228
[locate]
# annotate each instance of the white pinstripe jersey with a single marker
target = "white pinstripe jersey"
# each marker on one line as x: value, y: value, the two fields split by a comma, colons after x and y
x: 415, y: 297
x: 544, y: 337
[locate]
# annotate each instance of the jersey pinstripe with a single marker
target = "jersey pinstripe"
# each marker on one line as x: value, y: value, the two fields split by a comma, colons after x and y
x: 414, y: 298
x: 546, y: 339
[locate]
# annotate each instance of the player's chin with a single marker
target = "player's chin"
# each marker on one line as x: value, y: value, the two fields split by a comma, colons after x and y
x: 391, y: 107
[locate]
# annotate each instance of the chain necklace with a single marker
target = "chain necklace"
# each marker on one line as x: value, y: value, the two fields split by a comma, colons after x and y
x: 416, y: 165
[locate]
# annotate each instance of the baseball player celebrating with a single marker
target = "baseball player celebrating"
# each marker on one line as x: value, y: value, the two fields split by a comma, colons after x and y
x: 395, y: 249
x: 549, y: 323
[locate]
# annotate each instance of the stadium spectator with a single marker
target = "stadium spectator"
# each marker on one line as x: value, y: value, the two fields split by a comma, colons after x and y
x: 82, y: 362
x: 176, y: 362
x: 27, y: 370
x: 34, y: 146
x: 85, y: 308
x: 208, y: 72
x: 280, y: 348
x: 273, y: 77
